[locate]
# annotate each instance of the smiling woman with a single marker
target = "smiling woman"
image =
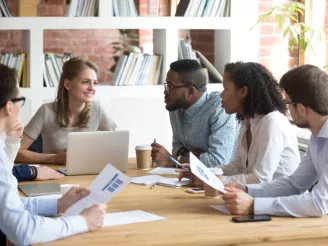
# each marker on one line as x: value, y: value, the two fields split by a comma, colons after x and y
x: 73, y: 110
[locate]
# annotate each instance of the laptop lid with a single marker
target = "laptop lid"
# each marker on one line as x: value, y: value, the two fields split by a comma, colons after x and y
x: 40, y: 189
x: 89, y: 152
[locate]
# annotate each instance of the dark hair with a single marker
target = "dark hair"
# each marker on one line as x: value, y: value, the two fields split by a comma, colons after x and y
x: 8, y: 84
x: 264, y: 95
x: 190, y: 73
x: 307, y: 85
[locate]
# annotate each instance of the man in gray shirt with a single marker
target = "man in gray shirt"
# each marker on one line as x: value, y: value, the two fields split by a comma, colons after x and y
x: 199, y: 123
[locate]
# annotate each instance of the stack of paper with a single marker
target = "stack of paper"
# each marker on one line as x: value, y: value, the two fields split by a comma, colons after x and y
x: 159, y: 180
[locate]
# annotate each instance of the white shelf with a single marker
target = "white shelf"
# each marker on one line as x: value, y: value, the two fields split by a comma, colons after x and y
x: 43, y: 23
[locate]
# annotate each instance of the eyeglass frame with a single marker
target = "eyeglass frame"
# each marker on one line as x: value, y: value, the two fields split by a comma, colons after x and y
x: 14, y: 100
x: 167, y: 88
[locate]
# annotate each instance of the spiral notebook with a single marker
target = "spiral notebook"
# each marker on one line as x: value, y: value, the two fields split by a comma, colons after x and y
x: 159, y: 180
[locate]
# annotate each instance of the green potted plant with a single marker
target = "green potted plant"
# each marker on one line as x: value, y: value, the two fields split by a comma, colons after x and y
x: 288, y: 17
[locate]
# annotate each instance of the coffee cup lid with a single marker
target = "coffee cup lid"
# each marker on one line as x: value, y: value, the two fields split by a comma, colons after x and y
x: 143, y: 147
x: 216, y: 170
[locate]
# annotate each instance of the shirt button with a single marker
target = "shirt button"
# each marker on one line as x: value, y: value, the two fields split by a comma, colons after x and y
x: 188, y: 122
x: 186, y: 138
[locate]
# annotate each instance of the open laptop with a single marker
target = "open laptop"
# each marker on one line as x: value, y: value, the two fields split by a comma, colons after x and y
x: 89, y: 152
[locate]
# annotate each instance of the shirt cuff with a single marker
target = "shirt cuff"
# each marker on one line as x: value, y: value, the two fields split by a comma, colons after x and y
x: 263, y: 205
x: 254, y: 190
x: 77, y: 223
x: 48, y: 206
x: 203, y: 159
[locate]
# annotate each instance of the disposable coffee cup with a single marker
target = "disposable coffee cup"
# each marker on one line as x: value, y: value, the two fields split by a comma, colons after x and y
x: 66, y: 187
x: 209, y: 191
x: 143, y: 153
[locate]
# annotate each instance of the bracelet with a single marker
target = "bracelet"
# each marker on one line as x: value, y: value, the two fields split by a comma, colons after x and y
x: 34, y: 171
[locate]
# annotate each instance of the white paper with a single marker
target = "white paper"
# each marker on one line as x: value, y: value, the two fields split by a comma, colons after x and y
x: 221, y: 207
x: 130, y: 217
x: 107, y: 184
x: 160, y: 180
x: 205, y: 174
x: 164, y: 170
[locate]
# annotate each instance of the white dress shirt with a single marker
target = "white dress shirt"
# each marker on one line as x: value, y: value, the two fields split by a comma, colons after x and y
x: 289, y: 195
x: 19, y: 217
x: 273, y: 152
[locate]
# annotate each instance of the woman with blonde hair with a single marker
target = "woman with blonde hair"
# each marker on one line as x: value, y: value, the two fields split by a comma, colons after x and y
x: 73, y: 111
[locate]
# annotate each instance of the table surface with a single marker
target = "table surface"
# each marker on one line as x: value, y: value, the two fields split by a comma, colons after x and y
x: 189, y: 221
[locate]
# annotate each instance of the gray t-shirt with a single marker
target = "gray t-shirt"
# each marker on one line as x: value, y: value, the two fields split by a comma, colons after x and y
x: 54, y: 137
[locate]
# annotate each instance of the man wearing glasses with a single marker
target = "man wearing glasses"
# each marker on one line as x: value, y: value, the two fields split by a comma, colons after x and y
x: 199, y: 123
x: 22, y: 219
x: 305, y: 192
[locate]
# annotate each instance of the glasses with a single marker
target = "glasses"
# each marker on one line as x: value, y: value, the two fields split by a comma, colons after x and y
x: 169, y: 87
x: 14, y: 100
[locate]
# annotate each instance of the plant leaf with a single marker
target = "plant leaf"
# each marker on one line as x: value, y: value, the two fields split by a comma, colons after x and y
x: 286, y: 31
x: 280, y: 20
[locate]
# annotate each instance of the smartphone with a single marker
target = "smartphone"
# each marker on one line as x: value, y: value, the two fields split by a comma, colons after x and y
x: 251, y: 218
x: 195, y: 190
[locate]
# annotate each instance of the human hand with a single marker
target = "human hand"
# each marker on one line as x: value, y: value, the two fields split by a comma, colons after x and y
x: 160, y: 155
x: 194, y: 180
x: 17, y: 131
x: 46, y: 173
x: 71, y: 197
x: 238, y: 202
x: 60, y: 157
x: 235, y: 185
x: 94, y: 216
x: 197, y: 152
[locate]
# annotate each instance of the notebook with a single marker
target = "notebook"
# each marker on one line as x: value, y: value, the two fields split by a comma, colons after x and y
x: 40, y: 189
x: 159, y: 180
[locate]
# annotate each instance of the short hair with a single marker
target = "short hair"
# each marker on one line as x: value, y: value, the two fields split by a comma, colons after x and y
x: 264, y: 94
x: 190, y: 73
x: 8, y: 84
x: 308, y: 85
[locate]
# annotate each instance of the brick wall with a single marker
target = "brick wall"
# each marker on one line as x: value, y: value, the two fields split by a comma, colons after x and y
x: 273, y: 50
x: 95, y: 44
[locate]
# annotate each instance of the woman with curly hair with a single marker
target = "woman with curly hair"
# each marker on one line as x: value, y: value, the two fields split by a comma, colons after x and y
x: 267, y: 146
x: 73, y: 111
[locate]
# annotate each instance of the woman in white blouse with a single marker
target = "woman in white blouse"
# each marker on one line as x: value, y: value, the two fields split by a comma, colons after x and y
x: 267, y: 146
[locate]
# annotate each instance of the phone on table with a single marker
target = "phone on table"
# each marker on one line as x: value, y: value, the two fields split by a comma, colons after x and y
x: 251, y: 218
x: 195, y: 190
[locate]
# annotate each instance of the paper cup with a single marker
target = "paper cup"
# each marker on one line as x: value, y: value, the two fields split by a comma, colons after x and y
x: 66, y: 187
x: 208, y: 190
x: 143, y: 153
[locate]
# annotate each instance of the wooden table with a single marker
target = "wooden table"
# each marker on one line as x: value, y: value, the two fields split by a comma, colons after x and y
x: 190, y: 221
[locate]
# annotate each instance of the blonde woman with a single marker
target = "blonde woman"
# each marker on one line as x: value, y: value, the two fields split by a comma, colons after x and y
x: 73, y: 111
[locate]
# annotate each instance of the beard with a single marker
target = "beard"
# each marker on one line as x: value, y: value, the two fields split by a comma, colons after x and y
x: 178, y: 104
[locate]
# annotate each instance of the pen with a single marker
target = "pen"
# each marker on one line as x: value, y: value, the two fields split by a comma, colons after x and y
x: 152, y: 162
x: 178, y: 163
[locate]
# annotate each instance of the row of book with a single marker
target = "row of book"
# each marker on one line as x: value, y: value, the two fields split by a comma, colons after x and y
x: 185, y: 51
x: 4, y: 11
x: 124, y: 8
x: 138, y: 69
x: 82, y: 8
x: 204, y: 8
x: 19, y: 63
x: 53, y: 67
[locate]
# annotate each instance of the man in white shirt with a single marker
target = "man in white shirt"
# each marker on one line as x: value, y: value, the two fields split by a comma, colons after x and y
x: 306, y: 89
x: 20, y: 218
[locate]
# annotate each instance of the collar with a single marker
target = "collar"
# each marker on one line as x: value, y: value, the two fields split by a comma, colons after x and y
x: 323, y: 133
x: 192, y: 109
x: 255, y: 119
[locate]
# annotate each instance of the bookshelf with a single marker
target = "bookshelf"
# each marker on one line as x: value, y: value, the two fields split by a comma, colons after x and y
x: 233, y: 41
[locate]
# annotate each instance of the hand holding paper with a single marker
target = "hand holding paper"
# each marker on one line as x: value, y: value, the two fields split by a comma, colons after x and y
x: 205, y: 174
x: 107, y: 184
